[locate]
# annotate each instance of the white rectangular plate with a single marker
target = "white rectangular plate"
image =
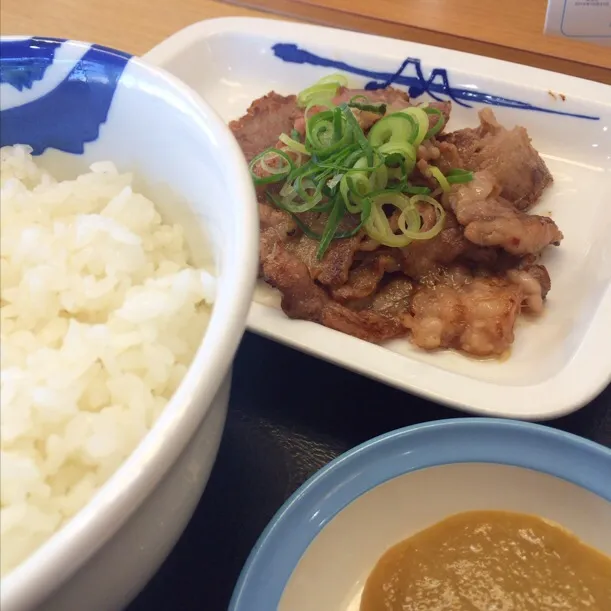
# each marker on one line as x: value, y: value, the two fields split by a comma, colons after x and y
x: 560, y: 361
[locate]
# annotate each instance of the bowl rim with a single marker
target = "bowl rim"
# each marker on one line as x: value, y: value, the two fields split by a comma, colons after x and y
x: 123, y: 493
x: 412, y: 448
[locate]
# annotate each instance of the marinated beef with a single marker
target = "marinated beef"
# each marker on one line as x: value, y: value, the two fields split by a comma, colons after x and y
x: 506, y: 154
x: 461, y: 289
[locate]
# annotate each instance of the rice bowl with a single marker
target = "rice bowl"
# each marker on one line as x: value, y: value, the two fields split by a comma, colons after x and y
x: 82, y: 108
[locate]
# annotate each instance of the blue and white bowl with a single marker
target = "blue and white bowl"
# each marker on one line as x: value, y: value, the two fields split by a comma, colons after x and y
x: 74, y: 104
x: 319, y: 549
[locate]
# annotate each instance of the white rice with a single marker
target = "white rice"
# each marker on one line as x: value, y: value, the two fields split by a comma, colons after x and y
x: 100, y: 316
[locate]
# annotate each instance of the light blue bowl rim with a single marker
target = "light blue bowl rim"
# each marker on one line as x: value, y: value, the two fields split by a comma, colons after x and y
x: 461, y: 440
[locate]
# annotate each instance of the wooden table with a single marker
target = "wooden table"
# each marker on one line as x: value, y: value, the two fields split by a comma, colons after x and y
x: 508, y: 30
x: 131, y: 25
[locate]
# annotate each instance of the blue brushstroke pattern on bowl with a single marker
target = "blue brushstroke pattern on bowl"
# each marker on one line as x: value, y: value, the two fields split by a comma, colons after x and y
x: 56, y: 93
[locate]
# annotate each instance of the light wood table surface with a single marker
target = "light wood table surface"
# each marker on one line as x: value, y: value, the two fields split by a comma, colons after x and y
x: 505, y: 29
x: 134, y: 26
x: 499, y: 28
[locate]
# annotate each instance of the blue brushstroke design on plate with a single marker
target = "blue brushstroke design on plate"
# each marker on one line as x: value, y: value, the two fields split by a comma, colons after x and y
x: 22, y: 62
x: 71, y: 114
x: 437, y: 82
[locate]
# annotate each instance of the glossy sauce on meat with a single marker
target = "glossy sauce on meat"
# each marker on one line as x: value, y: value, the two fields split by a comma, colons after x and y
x: 490, y: 561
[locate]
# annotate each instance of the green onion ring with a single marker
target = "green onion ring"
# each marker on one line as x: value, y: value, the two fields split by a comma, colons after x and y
x: 275, y: 176
x: 378, y: 227
x: 324, y: 89
x: 422, y: 122
x: 301, y: 185
x: 405, y: 149
x: 438, y: 126
x: 336, y: 78
x: 433, y: 231
x: 337, y: 130
x: 397, y: 127
x: 440, y: 178
x: 293, y: 144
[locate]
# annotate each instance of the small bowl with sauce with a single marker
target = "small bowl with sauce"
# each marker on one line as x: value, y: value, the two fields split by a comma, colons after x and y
x: 462, y: 514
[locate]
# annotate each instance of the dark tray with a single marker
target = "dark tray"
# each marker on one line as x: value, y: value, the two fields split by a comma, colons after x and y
x: 289, y: 415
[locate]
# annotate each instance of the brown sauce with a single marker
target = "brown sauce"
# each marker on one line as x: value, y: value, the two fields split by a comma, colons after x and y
x: 490, y: 561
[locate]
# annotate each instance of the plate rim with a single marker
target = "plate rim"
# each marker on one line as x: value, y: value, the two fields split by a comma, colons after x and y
x: 170, y: 47
x: 546, y: 399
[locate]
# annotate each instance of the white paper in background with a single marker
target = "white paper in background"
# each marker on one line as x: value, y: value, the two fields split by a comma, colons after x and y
x: 585, y: 20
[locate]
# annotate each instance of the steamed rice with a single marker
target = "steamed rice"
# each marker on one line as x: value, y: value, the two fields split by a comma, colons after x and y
x: 100, y: 316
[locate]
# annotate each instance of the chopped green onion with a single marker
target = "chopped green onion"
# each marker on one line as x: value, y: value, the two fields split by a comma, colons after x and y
x: 397, y: 174
x: 307, y: 169
x: 346, y: 171
x: 379, y: 109
x: 294, y: 208
x: 358, y: 184
x: 328, y: 132
x: 302, y: 185
x: 338, y: 124
x: 378, y: 226
x: 456, y: 175
x: 397, y: 127
x: 274, y: 174
x: 272, y: 156
x: 434, y: 230
x: 288, y: 191
x: 421, y: 120
x: 353, y: 157
x: 392, y: 160
x: 306, y: 230
x: 336, y: 78
x: 333, y: 182
x: 292, y: 144
x: 335, y: 217
x: 356, y: 129
x: 339, y: 214
x: 365, y: 212
x: 297, y: 156
x: 405, y: 149
x: 322, y: 91
x: 289, y: 194
x: 415, y: 190
x: 440, y: 178
x: 379, y: 178
x: 438, y: 126
x: 409, y: 221
x: 323, y: 206
x: 345, y: 191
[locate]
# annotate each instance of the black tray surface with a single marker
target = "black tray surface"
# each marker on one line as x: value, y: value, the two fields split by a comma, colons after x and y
x: 289, y: 415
